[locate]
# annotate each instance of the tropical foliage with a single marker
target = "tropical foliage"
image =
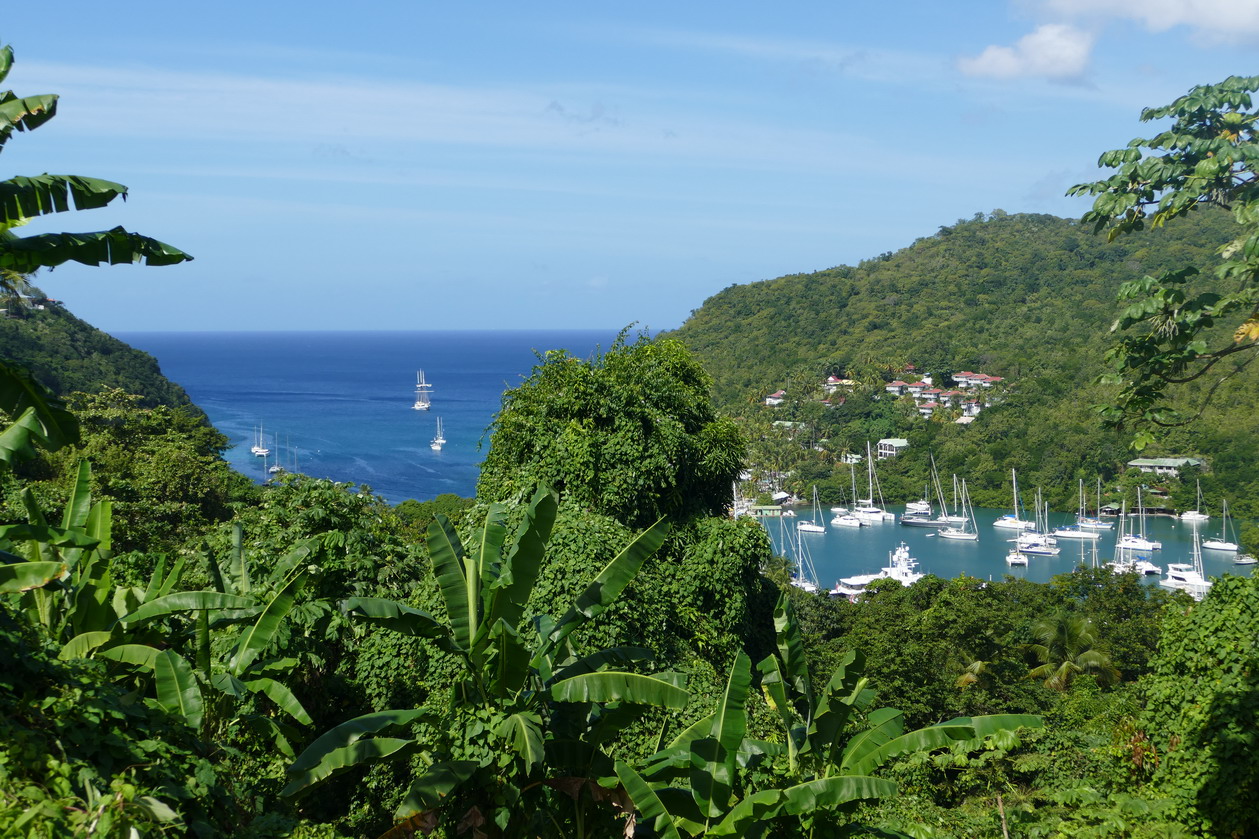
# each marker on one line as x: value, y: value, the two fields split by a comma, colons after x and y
x: 1201, y: 319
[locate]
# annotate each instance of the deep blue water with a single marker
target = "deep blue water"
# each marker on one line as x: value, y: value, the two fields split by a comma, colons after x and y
x: 341, y: 401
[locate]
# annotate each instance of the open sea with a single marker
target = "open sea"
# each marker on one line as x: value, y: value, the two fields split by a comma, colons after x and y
x: 340, y: 402
x: 339, y: 405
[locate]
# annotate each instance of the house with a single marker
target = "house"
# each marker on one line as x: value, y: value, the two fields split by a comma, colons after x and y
x: 852, y: 457
x: 898, y: 387
x: 891, y: 447
x: 776, y: 398
x: 1166, y: 466
x: 928, y: 408
x: 918, y: 387
x: 967, y: 420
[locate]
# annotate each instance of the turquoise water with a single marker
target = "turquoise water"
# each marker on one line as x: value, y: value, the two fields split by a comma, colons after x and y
x: 844, y: 552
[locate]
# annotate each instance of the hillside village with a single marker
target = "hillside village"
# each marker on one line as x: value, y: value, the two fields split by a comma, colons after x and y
x: 963, y: 401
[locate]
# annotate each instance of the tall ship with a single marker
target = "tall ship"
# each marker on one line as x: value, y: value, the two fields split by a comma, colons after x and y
x: 422, y: 392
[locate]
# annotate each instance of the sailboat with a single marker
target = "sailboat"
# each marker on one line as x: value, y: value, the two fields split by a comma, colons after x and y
x: 276, y: 468
x: 812, y: 525
x: 422, y: 391
x: 924, y: 519
x: 1196, y: 514
x: 1015, y: 520
x: 967, y: 532
x: 865, y: 509
x: 1131, y: 541
x: 842, y: 517
x: 1223, y: 542
x: 1077, y: 531
x: 257, y: 449
x: 1095, y: 522
x: 1035, y: 541
x: 439, y: 440
x: 805, y: 577
x: 1188, y: 577
x: 1125, y: 561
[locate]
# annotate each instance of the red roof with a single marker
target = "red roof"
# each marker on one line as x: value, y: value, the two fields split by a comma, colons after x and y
x: 929, y: 405
x: 919, y: 384
x: 897, y: 383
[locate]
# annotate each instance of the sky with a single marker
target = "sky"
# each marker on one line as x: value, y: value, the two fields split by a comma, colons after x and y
x: 406, y: 164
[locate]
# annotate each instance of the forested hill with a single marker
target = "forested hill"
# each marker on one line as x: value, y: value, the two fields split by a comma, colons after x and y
x: 1005, y: 294
x: 67, y: 355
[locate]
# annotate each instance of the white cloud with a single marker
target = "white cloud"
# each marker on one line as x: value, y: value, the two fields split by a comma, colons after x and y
x: 1217, y: 19
x: 1053, y: 51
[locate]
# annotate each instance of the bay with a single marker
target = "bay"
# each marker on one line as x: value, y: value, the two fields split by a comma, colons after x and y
x: 340, y: 402
x: 845, y: 552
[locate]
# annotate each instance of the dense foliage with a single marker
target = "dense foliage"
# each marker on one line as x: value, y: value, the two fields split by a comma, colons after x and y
x: 1180, y: 330
x: 630, y: 433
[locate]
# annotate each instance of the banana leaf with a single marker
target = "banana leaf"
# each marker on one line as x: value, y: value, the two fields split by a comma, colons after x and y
x: 24, y: 197
x: 24, y: 576
x: 428, y: 790
x: 615, y: 686
x: 177, y: 688
x: 187, y: 601
x: 255, y: 639
x: 303, y: 771
x: 282, y: 697
x: 107, y: 247
x: 647, y: 801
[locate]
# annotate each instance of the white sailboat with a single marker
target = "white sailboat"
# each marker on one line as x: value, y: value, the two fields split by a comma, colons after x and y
x: 1015, y: 520
x: 258, y: 449
x: 842, y: 517
x: 422, y: 392
x: 1133, y: 542
x: 1226, y: 541
x: 865, y: 509
x: 1197, y: 513
x: 1077, y: 531
x: 439, y: 440
x: 276, y: 468
x: 805, y: 577
x: 1126, y: 560
x: 924, y: 519
x: 1095, y: 522
x: 966, y: 532
x: 812, y: 525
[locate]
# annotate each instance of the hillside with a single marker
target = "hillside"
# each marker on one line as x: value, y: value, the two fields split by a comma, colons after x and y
x: 1007, y: 294
x: 68, y: 355
x: 1027, y: 297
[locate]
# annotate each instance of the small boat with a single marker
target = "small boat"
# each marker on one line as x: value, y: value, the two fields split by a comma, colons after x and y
x: 439, y: 440
x: 805, y: 576
x: 812, y: 525
x: 1016, y: 557
x: 1015, y: 520
x: 1245, y: 559
x: 1195, y: 514
x: 258, y: 449
x: 1095, y: 522
x: 1225, y: 541
x: 967, y: 531
x: 1077, y: 531
x: 1134, y: 542
x: 422, y: 392
x: 864, y: 509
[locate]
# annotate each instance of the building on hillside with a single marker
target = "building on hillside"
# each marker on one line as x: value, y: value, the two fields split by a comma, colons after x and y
x: 891, y: 447
x: 897, y: 387
x: 776, y: 398
x: 1165, y: 466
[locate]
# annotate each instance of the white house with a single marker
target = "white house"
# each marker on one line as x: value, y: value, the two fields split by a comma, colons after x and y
x: 891, y: 447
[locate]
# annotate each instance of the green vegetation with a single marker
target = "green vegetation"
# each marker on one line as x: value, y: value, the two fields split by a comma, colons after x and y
x: 571, y: 653
x: 1205, y: 159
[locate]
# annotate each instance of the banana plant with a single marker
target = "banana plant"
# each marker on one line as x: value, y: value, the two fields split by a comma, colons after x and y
x: 699, y: 783
x: 527, y: 722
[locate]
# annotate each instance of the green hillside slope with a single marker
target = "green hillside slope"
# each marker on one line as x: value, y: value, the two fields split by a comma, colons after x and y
x: 1002, y: 293
x: 1030, y: 298
x: 68, y: 355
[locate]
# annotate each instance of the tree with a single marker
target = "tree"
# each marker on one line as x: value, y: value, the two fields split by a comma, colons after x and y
x: 1065, y: 648
x: 1207, y: 158
x: 631, y: 434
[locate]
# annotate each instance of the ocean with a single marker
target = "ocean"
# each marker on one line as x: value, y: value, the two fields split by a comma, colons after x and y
x: 339, y: 404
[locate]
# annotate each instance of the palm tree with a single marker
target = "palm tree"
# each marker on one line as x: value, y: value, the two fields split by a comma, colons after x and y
x: 1066, y: 649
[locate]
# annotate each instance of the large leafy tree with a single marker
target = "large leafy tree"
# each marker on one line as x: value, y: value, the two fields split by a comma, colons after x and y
x: 631, y: 434
x: 1197, y: 321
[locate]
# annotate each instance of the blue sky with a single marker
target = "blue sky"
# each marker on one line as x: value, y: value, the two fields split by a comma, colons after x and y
x: 421, y: 165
